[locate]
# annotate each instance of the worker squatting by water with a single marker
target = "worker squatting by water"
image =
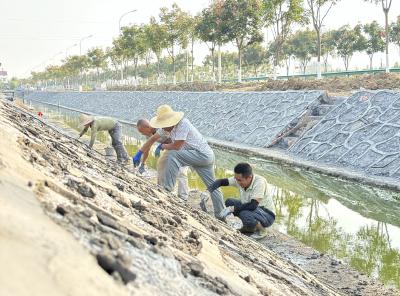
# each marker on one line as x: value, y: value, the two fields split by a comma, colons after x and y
x: 180, y: 146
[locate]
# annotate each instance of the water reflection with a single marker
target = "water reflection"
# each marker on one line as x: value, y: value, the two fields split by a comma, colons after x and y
x: 356, y: 223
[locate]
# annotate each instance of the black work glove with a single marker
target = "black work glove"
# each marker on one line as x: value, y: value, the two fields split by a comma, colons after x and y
x: 218, y: 183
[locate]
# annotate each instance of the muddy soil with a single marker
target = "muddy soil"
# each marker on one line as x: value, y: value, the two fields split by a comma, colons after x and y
x: 325, y: 267
x: 152, y: 243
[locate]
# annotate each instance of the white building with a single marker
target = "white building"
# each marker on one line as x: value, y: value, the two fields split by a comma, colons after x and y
x: 3, y: 75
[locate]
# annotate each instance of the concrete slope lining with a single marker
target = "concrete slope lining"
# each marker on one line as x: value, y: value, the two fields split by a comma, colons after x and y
x: 363, y: 132
x: 254, y: 118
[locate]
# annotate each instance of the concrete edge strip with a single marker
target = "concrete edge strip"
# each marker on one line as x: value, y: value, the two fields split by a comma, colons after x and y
x: 282, y: 158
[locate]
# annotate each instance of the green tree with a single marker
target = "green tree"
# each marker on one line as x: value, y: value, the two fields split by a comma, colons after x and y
x: 241, y: 22
x: 73, y: 67
x: 97, y: 60
x: 133, y: 42
x: 386, y: 4
x: 187, y: 25
x: 255, y: 56
x: 156, y: 38
x: 208, y: 29
x: 229, y: 61
x: 374, y: 42
x: 119, y: 54
x: 318, y: 10
x: 285, y: 53
x: 174, y: 22
x: 54, y: 73
x: 303, y: 47
x: 14, y: 82
x: 327, y: 47
x: 347, y: 42
x: 193, y: 36
x: 395, y: 32
x: 282, y: 15
x: 113, y: 54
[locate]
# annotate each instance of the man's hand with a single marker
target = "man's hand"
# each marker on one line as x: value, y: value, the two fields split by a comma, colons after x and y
x: 158, y: 150
x: 141, y: 168
x: 136, y: 158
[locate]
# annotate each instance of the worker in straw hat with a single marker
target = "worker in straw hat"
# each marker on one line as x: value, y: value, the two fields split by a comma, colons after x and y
x: 187, y: 148
x: 105, y: 124
x: 154, y: 135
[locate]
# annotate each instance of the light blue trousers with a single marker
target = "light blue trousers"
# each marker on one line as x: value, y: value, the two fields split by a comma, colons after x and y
x: 202, y: 163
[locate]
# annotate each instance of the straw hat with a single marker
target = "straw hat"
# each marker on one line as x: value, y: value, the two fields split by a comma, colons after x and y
x: 85, y: 119
x: 166, y: 117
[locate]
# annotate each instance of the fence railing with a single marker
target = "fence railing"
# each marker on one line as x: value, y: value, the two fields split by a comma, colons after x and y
x: 314, y: 75
x: 7, y: 94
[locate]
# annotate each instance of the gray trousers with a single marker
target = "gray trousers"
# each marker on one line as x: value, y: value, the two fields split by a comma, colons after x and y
x: 182, y: 178
x: 116, y: 136
x: 202, y: 163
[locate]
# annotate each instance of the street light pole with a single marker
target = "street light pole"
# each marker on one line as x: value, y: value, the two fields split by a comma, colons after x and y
x: 119, y: 29
x: 119, y: 23
x: 66, y: 50
x: 80, y: 43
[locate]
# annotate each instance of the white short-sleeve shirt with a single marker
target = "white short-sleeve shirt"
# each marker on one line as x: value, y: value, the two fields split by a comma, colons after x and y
x: 164, y: 135
x: 256, y: 190
x: 184, y: 130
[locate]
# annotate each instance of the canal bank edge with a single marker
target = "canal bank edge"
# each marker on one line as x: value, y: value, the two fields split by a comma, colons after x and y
x: 284, y: 157
x: 292, y: 160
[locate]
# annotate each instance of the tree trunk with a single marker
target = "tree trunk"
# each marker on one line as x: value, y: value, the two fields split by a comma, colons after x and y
x: 287, y: 66
x: 370, y: 61
x: 213, y: 63
x: 319, y: 76
x: 276, y: 63
x: 386, y: 11
x: 173, y: 65
x: 158, y: 69
x: 187, y: 66
x: 240, y: 65
x: 135, y: 61
x: 219, y: 65
x: 122, y: 69
x: 326, y: 63
x: 192, y: 60
x: 346, y: 62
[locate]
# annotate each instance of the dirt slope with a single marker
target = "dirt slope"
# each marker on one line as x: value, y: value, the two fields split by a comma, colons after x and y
x: 142, y: 236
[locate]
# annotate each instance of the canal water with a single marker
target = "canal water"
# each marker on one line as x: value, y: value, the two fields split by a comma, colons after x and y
x: 356, y: 223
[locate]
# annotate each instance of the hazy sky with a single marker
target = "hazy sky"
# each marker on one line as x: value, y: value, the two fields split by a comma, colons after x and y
x: 36, y: 33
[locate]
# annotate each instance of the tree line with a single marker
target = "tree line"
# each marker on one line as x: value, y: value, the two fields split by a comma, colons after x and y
x: 166, y: 44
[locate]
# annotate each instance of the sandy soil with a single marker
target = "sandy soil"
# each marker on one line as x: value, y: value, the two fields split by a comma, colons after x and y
x: 111, y: 232
x: 38, y: 257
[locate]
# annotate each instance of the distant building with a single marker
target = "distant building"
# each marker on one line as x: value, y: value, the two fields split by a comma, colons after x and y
x: 3, y: 75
